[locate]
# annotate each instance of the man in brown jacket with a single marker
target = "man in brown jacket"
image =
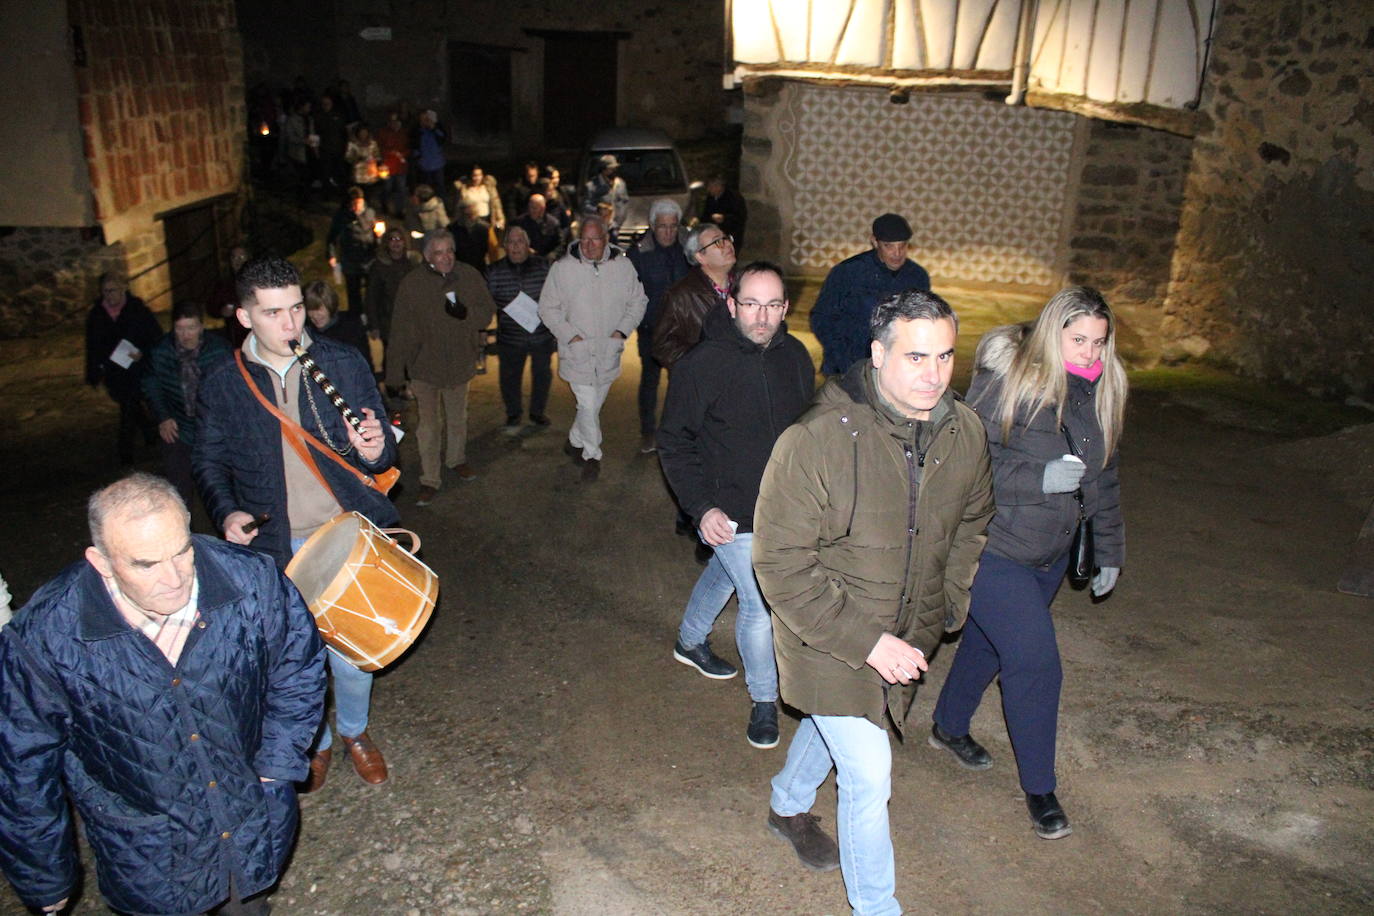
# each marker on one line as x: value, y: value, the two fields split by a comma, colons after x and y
x: 441, y: 306
x: 867, y: 532
x: 691, y: 299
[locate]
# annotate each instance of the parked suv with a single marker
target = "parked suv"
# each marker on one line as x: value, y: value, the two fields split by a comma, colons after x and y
x: 651, y: 167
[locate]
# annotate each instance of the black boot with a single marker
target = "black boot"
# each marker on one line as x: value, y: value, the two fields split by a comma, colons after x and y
x: 1049, y: 818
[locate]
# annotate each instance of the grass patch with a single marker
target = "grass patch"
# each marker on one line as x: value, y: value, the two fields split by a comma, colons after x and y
x: 1233, y: 400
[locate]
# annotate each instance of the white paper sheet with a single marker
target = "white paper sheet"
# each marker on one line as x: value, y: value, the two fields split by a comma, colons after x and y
x: 525, y: 311
x: 124, y: 354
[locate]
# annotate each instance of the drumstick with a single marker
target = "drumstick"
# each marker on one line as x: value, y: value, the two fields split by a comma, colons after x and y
x: 316, y: 373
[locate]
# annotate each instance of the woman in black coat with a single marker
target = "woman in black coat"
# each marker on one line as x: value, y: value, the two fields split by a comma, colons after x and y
x: 322, y: 308
x: 1052, y: 398
x: 117, y: 316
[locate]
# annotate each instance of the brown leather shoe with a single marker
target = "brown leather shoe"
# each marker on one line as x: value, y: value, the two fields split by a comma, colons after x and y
x: 465, y: 472
x: 319, y: 769
x: 367, y: 760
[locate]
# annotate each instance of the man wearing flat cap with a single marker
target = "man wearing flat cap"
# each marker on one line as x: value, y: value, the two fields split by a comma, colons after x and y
x: 855, y: 285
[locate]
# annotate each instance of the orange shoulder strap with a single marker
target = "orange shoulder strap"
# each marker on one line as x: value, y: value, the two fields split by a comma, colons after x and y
x: 299, y: 439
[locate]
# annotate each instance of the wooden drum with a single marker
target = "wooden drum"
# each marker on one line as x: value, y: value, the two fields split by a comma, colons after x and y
x: 371, y: 598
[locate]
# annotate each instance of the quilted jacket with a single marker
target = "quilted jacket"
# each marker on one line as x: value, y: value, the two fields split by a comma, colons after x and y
x: 238, y: 452
x: 162, y: 380
x: 161, y: 762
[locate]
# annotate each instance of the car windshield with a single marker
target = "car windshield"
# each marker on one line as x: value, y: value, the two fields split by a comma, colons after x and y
x: 649, y: 171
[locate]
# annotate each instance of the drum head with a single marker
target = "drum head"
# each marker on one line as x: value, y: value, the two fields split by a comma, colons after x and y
x: 320, y: 558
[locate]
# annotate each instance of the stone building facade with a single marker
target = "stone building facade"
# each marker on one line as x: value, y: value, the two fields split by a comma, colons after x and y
x: 1126, y: 214
x: 158, y: 101
x: 511, y: 77
x: 1274, y: 255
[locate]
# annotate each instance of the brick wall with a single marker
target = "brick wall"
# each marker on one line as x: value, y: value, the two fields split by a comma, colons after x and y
x: 1130, y: 192
x: 1276, y: 246
x: 162, y: 112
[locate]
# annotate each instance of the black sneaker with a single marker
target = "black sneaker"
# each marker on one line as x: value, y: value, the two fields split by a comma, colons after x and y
x: 968, y: 752
x: 1047, y: 816
x: 704, y: 660
x: 763, y: 725
x: 574, y: 453
x: 538, y: 419
x: 813, y: 846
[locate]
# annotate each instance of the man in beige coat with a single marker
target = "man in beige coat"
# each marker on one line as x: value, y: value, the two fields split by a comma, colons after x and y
x: 591, y: 302
x: 441, y: 307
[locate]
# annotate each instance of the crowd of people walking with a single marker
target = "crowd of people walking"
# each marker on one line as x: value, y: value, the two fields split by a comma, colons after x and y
x: 856, y: 522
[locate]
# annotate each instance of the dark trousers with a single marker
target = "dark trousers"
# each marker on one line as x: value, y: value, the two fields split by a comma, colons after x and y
x: 1010, y: 633
x: 256, y: 905
x: 134, y: 421
x: 176, y: 467
x: 649, y: 371
x: 435, y: 179
x: 353, y: 282
x: 512, y: 374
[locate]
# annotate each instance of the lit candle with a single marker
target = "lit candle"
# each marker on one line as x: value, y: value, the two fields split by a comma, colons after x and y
x: 379, y: 228
x: 264, y: 129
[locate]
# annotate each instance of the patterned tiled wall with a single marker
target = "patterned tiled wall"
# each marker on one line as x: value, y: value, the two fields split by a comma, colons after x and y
x: 983, y: 184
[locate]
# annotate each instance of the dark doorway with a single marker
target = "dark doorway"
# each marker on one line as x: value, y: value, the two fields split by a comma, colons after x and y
x: 479, y: 90
x: 192, y: 252
x: 580, y: 78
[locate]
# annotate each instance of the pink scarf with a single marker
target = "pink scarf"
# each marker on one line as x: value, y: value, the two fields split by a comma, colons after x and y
x: 1092, y: 373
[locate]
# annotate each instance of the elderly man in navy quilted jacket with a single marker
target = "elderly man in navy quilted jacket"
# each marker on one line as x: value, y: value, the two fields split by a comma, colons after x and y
x: 170, y: 687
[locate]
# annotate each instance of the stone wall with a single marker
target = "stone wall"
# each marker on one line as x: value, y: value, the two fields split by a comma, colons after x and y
x: 50, y: 276
x: 1274, y: 255
x: 1130, y: 193
x: 670, y: 59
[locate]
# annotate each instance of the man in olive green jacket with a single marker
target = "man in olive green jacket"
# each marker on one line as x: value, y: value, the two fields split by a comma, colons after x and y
x: 441, y: 308
x: 868, y: 528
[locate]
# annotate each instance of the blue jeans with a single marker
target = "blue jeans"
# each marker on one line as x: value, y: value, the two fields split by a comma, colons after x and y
x: 1010, y: 633
x: 862, y: 757
x: 732, y: 570
x: 352, y: 692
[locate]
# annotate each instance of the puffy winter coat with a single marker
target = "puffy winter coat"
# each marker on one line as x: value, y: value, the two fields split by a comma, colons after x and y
x: 161, y: 762
x: 162, y: 380
x: 658, y: 268
x: 845, y: 304
x: 591, y: 299
x: 728, y: 401
x: 238, y: 452
x: 505, y: 281
x: 1032, y: 527
x: 383, y: 281
x: 867, y: 523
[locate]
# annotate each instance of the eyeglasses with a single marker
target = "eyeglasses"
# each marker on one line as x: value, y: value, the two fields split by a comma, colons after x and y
x: 723, y: 240
x: 777, y: 305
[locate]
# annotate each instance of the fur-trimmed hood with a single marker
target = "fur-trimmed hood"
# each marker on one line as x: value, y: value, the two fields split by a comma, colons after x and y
x: 997, y: 347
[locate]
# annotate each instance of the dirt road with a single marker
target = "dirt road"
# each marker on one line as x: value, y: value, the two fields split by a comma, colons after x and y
x: 549, y: 756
